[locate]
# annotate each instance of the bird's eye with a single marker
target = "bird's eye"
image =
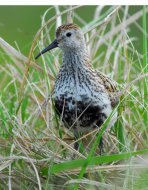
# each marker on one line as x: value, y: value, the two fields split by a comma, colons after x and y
x: 68, y: 34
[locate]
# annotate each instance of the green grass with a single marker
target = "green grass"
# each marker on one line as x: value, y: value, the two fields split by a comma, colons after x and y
x: 145, y: 61
x: 36, y: 151
x: 91, y: 162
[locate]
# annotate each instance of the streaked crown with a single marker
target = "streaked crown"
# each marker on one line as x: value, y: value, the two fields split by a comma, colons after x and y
x: 66, y: 27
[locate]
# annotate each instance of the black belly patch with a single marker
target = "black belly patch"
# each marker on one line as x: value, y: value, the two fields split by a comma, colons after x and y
x: 84, y: 114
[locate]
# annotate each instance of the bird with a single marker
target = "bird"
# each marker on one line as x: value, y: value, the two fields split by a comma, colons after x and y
x: 83, y: 97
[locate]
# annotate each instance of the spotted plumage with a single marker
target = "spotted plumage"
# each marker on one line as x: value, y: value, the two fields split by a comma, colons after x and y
x: 83, y: 97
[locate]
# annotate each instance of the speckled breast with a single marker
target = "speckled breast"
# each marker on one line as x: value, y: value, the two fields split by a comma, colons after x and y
x: 80, y: 100
x: 82, y: 114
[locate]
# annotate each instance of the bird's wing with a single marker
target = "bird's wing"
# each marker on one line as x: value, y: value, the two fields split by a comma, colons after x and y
x: 111, y: 87
x: 109, y: 84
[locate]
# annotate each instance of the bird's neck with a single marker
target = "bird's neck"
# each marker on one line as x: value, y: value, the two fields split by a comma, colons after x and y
x: 76, y: 59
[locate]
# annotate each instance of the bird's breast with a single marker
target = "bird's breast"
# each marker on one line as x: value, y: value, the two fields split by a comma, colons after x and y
x: 80, y: 105
x: 80, y: 97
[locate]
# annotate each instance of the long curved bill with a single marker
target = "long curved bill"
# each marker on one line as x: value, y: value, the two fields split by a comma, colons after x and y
x: 53, y: 45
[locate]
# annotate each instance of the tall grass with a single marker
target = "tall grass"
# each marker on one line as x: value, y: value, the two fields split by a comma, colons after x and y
x: 36, y: 151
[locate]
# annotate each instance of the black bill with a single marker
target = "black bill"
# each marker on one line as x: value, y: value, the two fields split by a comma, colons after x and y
x: 53, y: 45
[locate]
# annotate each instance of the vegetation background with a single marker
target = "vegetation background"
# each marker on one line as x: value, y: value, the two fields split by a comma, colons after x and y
x: 35, y: 151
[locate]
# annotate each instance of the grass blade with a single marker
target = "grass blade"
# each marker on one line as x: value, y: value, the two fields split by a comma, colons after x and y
x: 94, y: 161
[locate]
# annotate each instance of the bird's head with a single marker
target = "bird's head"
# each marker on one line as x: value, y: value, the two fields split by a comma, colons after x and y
x: 69, y: 37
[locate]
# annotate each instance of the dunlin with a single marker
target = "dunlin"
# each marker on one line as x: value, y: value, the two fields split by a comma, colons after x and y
x: 82, y: 96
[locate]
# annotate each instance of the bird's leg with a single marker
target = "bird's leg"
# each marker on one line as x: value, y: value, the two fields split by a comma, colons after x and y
x: 99, y: 123
x: 76, y: 144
